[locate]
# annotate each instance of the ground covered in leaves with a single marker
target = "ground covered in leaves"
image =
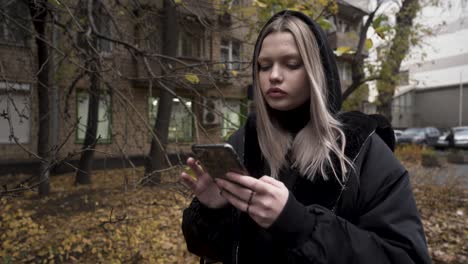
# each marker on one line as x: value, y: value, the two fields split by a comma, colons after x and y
x: 116, y: 220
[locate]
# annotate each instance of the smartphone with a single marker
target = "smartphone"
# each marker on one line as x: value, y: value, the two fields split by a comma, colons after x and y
x: 218, y: 159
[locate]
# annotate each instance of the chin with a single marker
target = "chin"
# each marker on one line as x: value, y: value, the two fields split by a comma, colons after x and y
x: 282, y: 106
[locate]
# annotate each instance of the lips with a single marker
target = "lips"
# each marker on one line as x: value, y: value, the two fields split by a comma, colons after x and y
x: 276, y: 92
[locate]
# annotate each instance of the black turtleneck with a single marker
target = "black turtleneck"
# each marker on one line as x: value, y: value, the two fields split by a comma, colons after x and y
x: 293, y: 120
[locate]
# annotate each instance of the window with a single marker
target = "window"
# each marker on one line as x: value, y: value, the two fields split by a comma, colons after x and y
x: 232, y: 117
x: 14, y: 112
x: 14, y: 23
x: 230, y: 54
x: 181, y: 124
x: 103, y: 23
x: 104, y: 117
x: 104, y: 27
x: 191, y: 45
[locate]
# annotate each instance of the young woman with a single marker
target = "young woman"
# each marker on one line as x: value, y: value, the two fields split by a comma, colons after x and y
x: 323, y: 187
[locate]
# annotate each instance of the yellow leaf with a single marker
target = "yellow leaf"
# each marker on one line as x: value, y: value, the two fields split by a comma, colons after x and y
x: 259, y: 4
x: 178, y: 2
x: 234, y: 73
x: 342, y: 50
x: 78, y: 249
x: 369, y: 44
x: 192, y: 78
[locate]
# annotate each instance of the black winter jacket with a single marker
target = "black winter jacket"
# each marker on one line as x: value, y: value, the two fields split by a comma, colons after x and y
x: 373, y: 219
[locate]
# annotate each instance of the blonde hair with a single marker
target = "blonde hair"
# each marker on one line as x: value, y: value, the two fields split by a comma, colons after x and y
x: 322, y: 141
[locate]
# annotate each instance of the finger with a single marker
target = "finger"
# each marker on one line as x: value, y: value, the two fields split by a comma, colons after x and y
x: 188, y: 181
x: 235, y: 189
x: 234, y: 200
x: 194, y: 165
x: 248, y: 182
x: 270, y: 180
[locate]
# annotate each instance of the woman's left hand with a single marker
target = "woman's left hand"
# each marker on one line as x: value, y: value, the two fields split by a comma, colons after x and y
x: 262, y: 199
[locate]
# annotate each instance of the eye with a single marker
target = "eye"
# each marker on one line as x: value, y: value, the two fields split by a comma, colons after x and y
x: 264, y: 67
x: 294, y: 65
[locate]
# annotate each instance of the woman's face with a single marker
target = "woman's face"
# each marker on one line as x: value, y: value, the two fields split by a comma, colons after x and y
x: 281, y: 72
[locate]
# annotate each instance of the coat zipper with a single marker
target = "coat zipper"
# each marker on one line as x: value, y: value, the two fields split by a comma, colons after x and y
x: 349, y: 173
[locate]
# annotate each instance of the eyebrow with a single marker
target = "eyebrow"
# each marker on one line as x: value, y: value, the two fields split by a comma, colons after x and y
x: 286, y: 56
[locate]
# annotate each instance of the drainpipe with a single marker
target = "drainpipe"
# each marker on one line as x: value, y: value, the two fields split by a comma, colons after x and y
x: 460, y: 104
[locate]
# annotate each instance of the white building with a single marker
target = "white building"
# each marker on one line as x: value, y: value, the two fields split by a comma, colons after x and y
x: 433, y: 89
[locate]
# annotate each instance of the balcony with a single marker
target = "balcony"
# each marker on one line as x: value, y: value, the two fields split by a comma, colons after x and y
x: 346, y: 39
x: 339, y: 39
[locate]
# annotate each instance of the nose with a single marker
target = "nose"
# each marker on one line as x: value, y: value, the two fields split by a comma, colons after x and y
x: 276, y: 74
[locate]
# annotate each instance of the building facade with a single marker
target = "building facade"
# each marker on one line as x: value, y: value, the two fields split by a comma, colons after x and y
x: 210, y: 101
x: 433, y: 88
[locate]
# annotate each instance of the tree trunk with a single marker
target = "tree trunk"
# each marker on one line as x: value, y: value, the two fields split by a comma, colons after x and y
x: 397, y: 52
x: 83, y: 175
x: 156, y: 159
x: 38, y: 11
x: 357, y: 67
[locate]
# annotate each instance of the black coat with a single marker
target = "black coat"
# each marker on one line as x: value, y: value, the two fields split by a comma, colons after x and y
x: 373, y: 219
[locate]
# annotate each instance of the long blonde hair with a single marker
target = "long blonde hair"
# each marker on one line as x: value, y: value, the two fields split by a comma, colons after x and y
x: 321, y: 142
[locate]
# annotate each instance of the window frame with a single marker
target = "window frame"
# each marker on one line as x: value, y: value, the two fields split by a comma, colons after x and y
x: 242, y: 115
x: 79, y: 124
x: 7, y: 27
x: 153, y: 114
x: 229, y: 64
x: 18, y: 89
x: 202, y: 53
x: 105, y: 26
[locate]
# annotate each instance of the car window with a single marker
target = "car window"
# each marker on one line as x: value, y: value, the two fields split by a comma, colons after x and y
x: 413, y: 131
x: 457, y: 129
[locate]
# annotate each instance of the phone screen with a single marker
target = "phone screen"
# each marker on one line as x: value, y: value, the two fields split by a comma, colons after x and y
x: 218, y: 159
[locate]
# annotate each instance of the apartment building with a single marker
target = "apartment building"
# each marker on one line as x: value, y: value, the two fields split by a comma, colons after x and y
x: 210, y: 100
x: 433, y: 89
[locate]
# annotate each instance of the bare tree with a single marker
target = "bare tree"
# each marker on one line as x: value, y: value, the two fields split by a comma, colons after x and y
x: 39, y: 11
x: 156, y: 160
x: 83, y: 174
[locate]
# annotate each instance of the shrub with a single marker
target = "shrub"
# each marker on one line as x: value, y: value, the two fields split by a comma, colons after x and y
x: 409, y: 153
x: 429, y: 158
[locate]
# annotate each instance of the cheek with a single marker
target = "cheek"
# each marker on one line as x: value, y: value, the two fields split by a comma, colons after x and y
x: 264, y: 82
x: 302, y: 83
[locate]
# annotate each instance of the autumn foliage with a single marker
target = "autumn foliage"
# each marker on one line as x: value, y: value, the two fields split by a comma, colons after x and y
x: 117, y: 221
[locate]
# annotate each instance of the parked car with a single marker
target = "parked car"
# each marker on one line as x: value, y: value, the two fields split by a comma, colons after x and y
x: 442, y: 141
x: 459, y: 138
x: 427, y: 136
x: 398, y: 134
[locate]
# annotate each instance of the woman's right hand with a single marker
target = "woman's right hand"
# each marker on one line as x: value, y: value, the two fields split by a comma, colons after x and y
x: 203, y: 186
